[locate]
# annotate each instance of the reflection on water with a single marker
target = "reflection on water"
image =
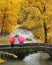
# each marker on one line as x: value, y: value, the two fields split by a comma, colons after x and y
x: 34, y: 59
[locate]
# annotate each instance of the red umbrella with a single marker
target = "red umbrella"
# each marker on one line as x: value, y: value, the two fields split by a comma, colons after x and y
x: 12, y: 40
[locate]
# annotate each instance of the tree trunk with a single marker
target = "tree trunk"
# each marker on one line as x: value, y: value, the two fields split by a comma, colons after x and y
x: 3, y: 21
x: 45, y: 31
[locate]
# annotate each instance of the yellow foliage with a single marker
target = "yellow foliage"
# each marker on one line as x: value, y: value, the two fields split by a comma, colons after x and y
x: 7, y: 16
x: 1, y: 61
x: 10, y: 54
x: 31, y: 13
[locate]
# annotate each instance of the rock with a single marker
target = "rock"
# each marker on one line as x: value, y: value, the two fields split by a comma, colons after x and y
x: 16, y: 35
x: 28, y: 39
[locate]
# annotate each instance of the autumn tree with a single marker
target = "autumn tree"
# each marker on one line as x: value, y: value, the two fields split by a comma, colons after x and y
x: 31, y: 16
x: 7, y: 17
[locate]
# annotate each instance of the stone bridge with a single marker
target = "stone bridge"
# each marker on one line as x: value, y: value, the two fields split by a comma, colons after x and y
x: 27, y: 48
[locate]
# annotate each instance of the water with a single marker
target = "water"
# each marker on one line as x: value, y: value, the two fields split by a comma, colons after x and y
x: 33, y: 59
x: 25, y: 34
x: 21, y: 32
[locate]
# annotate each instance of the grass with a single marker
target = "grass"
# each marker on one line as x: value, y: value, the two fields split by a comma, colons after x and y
x: 4, y: 41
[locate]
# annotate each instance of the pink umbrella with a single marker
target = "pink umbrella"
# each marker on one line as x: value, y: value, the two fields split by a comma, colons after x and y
x: 21, y: 39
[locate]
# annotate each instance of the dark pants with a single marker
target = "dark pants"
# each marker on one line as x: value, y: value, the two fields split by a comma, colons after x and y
x: 12, y: 45
x: 20, y: 44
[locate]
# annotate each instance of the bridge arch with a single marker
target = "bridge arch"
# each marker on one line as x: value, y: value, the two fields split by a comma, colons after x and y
x: 26, y: 49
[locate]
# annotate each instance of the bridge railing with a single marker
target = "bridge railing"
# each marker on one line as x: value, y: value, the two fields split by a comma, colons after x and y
x: 27, y: 44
